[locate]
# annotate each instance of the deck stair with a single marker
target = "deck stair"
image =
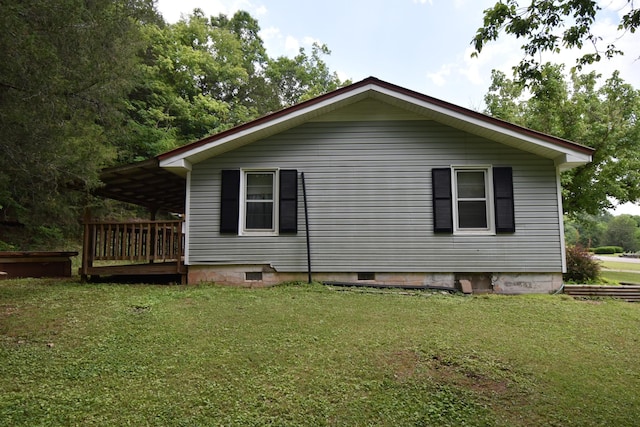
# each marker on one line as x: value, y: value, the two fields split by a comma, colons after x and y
x: 629, y: 293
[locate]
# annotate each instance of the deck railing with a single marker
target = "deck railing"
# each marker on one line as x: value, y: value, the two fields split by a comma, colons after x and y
x: 132, y: 241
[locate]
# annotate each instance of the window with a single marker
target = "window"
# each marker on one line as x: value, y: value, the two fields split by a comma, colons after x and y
x: 259, y: 201
x: 473, y: 200
x: 472, y: 203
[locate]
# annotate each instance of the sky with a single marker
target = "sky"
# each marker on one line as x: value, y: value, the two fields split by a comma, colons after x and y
x: 423, y: 45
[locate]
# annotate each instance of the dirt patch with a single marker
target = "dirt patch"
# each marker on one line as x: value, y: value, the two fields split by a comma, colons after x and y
x: 8, y: 310
x: 469, y: 374
x: 404, y: 364
x: 140, y: 309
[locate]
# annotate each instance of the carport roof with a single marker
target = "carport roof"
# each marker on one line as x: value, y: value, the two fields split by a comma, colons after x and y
x: 144, y: 184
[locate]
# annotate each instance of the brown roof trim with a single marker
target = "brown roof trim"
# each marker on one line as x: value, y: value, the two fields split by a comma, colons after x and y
x: 265, y: 119
x: 404, y: 91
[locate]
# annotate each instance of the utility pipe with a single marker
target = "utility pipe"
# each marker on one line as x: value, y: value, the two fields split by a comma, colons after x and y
x: 306, y: 224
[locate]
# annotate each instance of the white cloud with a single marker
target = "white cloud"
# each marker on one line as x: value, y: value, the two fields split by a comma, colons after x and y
x: 439, y: 78
x: 309, y: 41
x: 173, y: 10
x: 619, y: 7
x: 277, y: 44
x: 291, y: 44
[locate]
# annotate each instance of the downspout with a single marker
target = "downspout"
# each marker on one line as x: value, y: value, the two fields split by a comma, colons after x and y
x: 306, y: 224
x: 563, y: 249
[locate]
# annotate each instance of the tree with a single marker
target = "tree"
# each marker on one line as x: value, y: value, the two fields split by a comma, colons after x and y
x: 66, y: 69
x: 89, y: 84
x: 204, y: 74
x: 604, y: 118
x: 549, y: 26
x: 590, y: 229
x: 302, y: 77
x: 622, y: 231
x: 193, y: 76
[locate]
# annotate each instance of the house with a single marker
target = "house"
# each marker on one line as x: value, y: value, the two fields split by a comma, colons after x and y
x: 376, y: 184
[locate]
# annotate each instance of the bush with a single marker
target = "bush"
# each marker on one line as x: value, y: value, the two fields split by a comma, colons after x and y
x: 608, y: 250
x: 582, y: 267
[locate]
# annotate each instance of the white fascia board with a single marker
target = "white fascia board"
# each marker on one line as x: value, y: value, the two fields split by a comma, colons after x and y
x: 566, y: 161
x: 177, y: 165
x: 246, y: 133
x: 478, y: 123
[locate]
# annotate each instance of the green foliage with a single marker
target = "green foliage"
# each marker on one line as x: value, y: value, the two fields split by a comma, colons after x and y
x: 607, y: 250
x: 85, y: 85
x: 203, y: 75
x: 602, y: 116
x: 623, y: 231
x: 65, y: 73
x: 302, y: 77
x: 549, y: 26
x: 6, y: 246
x: 571, y: 234
x: 582, y: 267
x: 307, y: 355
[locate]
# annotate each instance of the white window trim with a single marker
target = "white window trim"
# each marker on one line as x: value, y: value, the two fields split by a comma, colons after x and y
x: 242, y: 230
x: 491, y: 226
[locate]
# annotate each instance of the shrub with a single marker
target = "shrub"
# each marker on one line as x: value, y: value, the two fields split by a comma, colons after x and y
x: 608, y: 250
x: 582, y: 267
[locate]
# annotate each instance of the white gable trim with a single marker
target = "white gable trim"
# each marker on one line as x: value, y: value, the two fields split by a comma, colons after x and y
x: 268, y: 128
x: 564, y: 156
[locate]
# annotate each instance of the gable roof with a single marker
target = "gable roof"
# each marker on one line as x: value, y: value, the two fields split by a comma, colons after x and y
x: 566, y: 154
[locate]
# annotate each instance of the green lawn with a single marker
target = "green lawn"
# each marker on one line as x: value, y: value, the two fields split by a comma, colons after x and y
x: 611, y: 264
x: 73, y: 354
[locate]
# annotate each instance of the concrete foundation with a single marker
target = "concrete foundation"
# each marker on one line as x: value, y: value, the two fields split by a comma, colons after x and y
x: 265, y: 275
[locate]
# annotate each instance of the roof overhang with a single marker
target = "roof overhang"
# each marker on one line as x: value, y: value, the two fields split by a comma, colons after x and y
x: 565, y: 154
x: 159, y: 183
x: 144, y: 184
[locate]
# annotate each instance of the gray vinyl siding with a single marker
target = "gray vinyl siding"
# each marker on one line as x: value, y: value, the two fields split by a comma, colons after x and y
x: 370, y: 209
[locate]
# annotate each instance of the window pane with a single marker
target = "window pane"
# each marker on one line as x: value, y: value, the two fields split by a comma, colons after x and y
x: 470, y: 184
x: 472, y: 214
x: 259, y: 216
x: 259, y: 186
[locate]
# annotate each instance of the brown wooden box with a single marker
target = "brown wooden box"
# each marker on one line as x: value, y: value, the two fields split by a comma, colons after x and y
x: 35, y: 264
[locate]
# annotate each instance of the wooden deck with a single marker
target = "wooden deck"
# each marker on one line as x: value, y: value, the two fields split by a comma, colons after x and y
x: 133, y: 248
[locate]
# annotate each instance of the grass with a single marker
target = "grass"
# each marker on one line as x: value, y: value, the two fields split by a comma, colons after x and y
x: 631, y: 273
x: 621, y: 277
x: 73, y: 354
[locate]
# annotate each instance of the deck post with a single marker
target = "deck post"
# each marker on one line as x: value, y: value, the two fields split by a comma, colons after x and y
x: 87, y: 245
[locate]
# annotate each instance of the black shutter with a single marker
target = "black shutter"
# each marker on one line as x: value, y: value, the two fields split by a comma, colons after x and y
x: 230, y: 201
x: 288, y: 201
x: 503, y: 200
x: 442, y: 210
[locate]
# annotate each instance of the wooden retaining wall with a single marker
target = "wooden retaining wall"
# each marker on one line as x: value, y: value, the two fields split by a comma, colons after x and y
x: 627, y: 293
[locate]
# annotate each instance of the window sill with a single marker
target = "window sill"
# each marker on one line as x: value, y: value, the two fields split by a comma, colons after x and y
x: 474, y: 233
x: 258, y: 234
